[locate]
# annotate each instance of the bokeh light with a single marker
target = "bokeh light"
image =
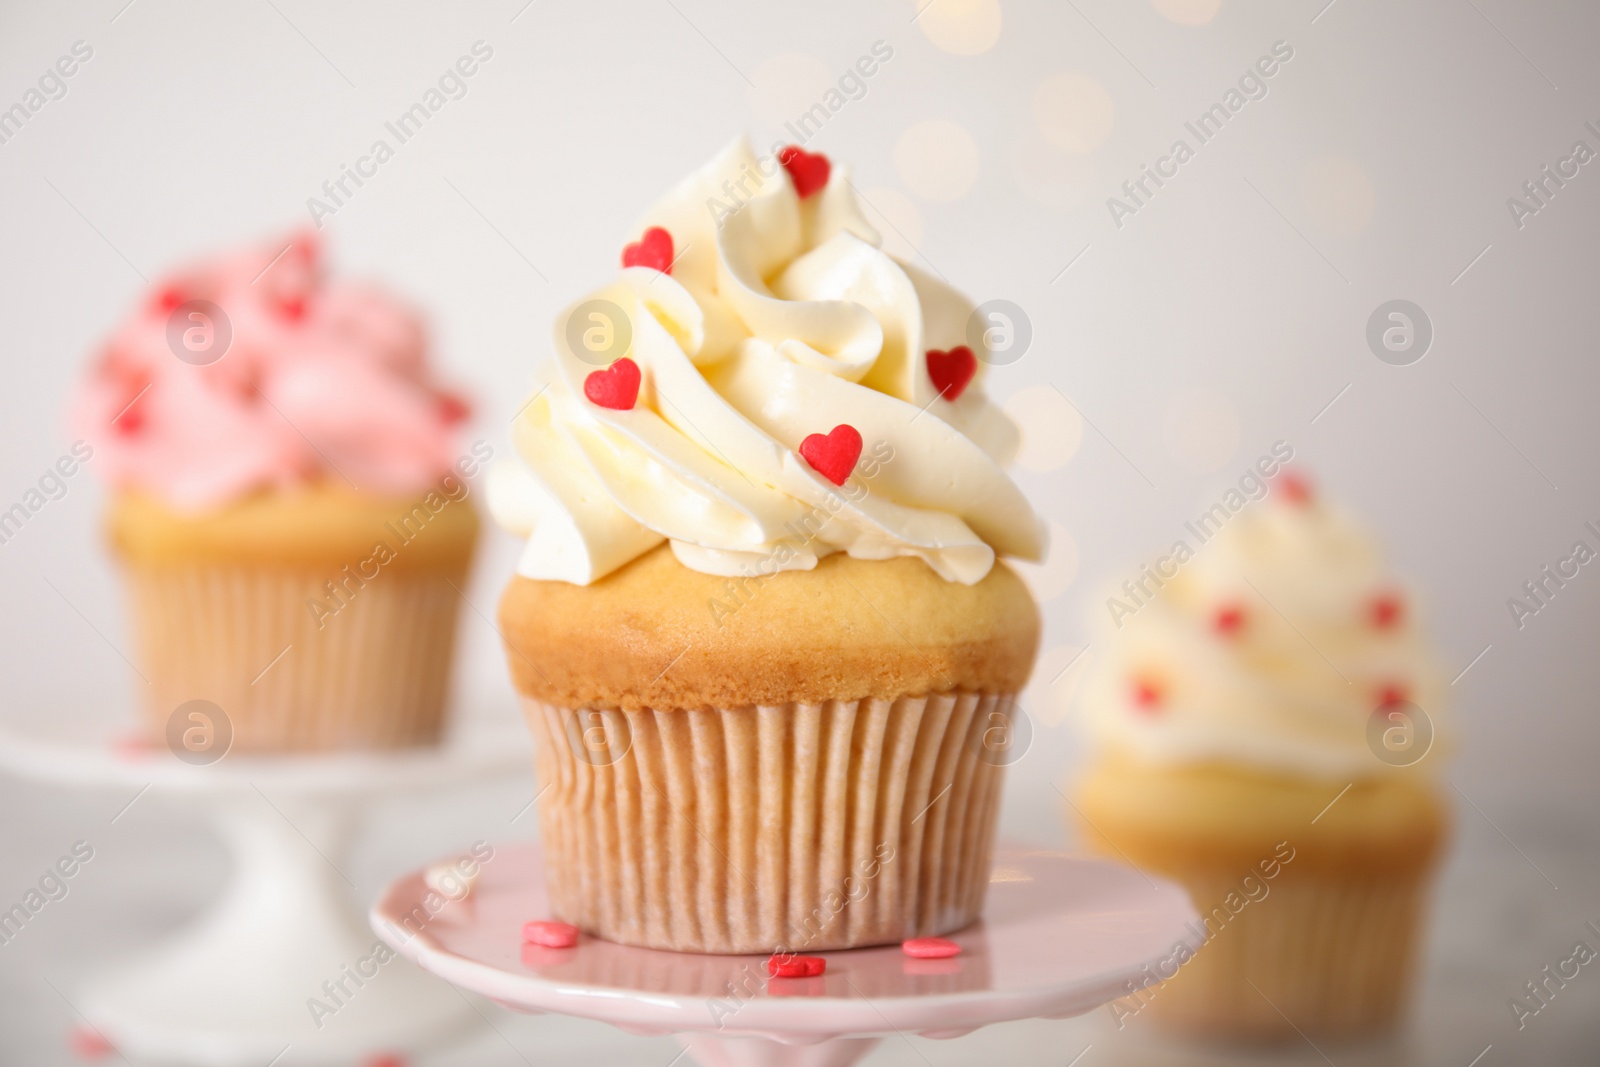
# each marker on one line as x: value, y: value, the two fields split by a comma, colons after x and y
x: 1051, y: 427
x: 937, y: 160
x: 960, y: 27
x: 1074, y: 112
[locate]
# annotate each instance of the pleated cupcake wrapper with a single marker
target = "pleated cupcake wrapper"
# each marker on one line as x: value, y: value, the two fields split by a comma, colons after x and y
x: 1331, y: 957
x: 802, y: 826
x: 372, y: 675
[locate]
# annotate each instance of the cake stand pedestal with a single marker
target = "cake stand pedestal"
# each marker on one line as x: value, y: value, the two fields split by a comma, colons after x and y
x: 238, y: 988
x: 1063, y: 935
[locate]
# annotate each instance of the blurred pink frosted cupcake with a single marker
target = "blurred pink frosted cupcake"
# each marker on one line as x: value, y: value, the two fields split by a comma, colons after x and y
x: 289, y: 505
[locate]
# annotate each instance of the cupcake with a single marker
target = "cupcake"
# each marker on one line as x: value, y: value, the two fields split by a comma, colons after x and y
x: 759, y: 628
x: 288, y: 506
x: 1264, y: 710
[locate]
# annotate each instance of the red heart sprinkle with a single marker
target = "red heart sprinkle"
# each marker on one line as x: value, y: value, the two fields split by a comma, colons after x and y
x: 132, y: 746
x: 952, y: 371
x: 616, y: 387
x: 833, y: 456
x: 1384, y: 611
x: 550, y: 934
x: 808, y: 170
x: 1393, y: 693
x: 170, y: 298
x: 653, y: 250
x: 293, y: 308
x: 88, y: 1043
x: 1295, y: 489
x: 1147, y: 695
x: 452, y: 408
x: 788, y: 965
x: 128, y: 423
x: 129, y: 418
x: 1229, y: 619
x: 930, y: 948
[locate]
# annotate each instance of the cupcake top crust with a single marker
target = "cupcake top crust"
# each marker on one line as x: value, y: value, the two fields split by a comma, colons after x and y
x: 1280, y: 641
x: 656, y: 634
x: 762, y: 387
x: 255, y: 372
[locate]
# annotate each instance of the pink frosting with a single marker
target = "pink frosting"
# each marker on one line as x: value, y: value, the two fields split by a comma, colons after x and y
x: 320, y: 380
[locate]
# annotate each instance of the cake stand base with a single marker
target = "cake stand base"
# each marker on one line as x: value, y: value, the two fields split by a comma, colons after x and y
x: 281, y: 969
x: 1063, y: 936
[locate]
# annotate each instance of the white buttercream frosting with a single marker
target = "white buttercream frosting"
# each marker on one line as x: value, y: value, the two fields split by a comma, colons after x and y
x: 1274, y: 646
x: 780, y: 318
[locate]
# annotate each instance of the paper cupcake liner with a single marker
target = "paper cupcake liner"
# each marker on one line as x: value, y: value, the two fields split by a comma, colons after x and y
x: 372, y: 675
x: 1329, y: 957
x: 803, y: 826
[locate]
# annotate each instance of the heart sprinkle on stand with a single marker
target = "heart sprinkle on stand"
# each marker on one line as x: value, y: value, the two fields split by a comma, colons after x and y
x: 549, y: 934
x: 952, y: 371
x: 832, y: 455
x: 786, y: 965
x: 653, y: 250
x: 616, y: 387
x: 930, y: 948
x: 88, y: 1043
x: 808, y: 170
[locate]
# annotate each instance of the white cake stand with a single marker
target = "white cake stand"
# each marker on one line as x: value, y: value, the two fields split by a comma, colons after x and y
x: 233, y: 989
x: 1062, y: 936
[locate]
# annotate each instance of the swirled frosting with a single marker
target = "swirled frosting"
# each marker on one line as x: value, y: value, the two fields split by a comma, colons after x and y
x: 1275, y: 644
x: 780, y: 318
x: 287, y: 378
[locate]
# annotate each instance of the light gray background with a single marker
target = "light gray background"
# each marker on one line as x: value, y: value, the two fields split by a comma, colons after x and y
x: 1225, y: 315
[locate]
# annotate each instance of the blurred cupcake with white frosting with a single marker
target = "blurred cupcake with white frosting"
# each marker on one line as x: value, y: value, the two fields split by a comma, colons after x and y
x: 1265, y: 731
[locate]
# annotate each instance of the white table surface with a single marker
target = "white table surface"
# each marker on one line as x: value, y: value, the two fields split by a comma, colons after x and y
x: 1496, y: 924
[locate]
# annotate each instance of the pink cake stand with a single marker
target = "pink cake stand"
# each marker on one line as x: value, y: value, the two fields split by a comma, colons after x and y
x: 1063, y: 935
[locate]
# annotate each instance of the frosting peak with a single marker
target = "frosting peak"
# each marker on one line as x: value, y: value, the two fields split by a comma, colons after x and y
x: 1275, y: 646
x: 777, y: 319
x: 253, y: 372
